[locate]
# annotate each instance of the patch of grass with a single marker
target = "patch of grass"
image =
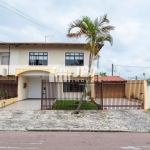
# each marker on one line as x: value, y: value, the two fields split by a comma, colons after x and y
x: 27, y: 129
x: 149, y: 109
x: 71, y: 105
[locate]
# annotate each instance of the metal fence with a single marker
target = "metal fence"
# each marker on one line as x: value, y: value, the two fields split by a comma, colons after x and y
x: 64, y: 91
x: 115, y: 95
x: 8, y: 89
x: 99, y: 95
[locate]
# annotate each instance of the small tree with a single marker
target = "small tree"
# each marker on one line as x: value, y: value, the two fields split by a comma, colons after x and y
x: 103, y: 74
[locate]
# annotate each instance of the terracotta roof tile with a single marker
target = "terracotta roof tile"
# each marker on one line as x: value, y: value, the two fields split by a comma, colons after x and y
x: 109, y: 79
x: 39, y: 43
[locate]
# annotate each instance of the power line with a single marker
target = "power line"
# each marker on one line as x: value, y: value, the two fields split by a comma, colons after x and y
x: 18, y: 10
x: 132, y: 66
x: 28, y: 18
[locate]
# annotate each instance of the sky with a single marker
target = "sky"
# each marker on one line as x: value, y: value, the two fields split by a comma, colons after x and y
x: 131, y: 37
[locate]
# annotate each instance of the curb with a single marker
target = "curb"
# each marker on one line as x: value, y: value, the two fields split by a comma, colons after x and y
x: 78, y: 130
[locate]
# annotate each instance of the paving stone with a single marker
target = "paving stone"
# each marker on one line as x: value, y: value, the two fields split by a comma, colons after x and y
x: 108, y: 120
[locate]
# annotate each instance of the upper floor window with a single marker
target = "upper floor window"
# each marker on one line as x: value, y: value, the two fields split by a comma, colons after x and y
x: 75, y: 59
x: 38, y: 58
x: 4, y: 58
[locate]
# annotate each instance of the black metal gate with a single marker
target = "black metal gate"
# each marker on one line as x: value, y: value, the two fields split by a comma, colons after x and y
x: 48, y: 94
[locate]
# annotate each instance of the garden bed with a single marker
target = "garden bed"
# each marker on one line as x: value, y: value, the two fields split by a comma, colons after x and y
x: 72, y: 105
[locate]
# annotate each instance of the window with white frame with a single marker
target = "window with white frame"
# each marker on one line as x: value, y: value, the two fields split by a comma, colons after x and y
x: 75, y: 59
x: 38, y: 58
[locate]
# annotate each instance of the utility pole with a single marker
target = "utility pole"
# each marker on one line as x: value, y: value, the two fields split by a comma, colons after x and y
x: 112, y: 69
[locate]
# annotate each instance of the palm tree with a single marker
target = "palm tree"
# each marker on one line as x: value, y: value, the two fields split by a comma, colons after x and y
x: 96, y: 33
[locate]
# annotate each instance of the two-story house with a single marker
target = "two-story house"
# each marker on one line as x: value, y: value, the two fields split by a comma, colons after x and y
x: 29, y: 63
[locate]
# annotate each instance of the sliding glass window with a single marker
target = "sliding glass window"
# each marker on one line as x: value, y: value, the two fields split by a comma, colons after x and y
x: 38, y: 58
x: 75, y: 59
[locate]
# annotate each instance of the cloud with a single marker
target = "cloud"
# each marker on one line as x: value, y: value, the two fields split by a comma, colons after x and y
x: 128, y: 32
x: 131, y: 35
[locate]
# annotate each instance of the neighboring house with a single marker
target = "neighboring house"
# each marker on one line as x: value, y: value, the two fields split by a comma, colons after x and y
x: 113, y: 86
x: 29, y: 63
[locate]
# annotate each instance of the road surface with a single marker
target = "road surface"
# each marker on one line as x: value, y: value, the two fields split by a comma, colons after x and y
x: 16, y: 140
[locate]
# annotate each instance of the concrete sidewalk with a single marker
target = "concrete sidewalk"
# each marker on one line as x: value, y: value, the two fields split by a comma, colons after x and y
x: 50, y: 120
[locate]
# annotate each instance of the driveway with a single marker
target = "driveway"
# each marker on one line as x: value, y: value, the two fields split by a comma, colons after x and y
x: 28, y: 104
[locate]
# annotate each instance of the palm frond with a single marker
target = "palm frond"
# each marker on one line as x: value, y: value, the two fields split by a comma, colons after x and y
x: 96, y: 22
x: 103, y: 20
x: 77, y: 34
x: 89, y: 24
x: 106, y: 29
x: 106, y: 37
x: 95, y: 32
x: 77, y: 24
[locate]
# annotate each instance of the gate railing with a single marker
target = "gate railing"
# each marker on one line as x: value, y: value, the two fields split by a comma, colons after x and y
x: 116, y: 95
x: 105, y: 95
x: 67, y: 90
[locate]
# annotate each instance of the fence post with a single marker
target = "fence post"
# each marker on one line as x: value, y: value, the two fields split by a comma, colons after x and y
x: 42, y: 95
x: 102, y: 93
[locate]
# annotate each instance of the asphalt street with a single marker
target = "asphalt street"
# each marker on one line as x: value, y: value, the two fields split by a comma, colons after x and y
x: 18, y: 140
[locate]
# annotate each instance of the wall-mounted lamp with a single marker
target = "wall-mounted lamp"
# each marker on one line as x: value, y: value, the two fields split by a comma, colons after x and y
x: 24, y: 85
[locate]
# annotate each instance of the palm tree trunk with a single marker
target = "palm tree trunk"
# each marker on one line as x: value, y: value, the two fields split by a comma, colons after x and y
x: 89, y: 69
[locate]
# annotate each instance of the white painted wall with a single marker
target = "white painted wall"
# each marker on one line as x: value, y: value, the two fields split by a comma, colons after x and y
x: 19, y: 57
x: 14, y: 57
x: 23, y: 92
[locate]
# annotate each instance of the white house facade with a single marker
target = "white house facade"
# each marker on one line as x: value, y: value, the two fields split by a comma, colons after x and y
x: 30, y: 63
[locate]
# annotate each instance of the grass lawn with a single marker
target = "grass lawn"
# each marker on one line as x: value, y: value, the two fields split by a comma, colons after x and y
x: 70, y: 105
x: 149, y: 109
